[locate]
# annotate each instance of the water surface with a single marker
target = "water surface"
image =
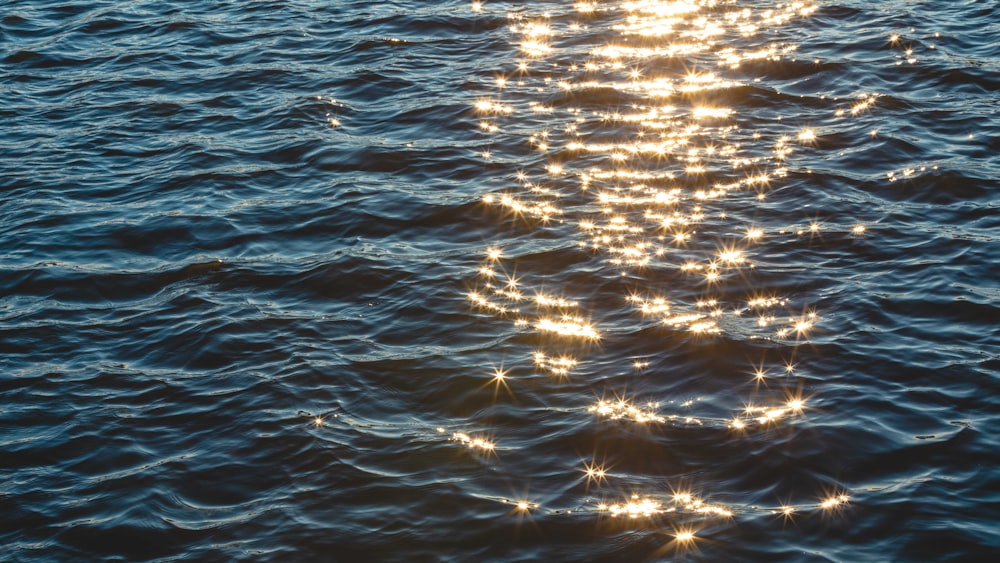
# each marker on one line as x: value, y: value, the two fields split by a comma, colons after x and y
x: 651, y: 280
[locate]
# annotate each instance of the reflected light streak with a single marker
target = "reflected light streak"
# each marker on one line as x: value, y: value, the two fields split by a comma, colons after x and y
x: 684, y: 536
x: 645, y: 506
x: 560, y: 366
x: 832, y: 502
x: 550, y: 301
x: 568, y: 326
x: 635, y: 508
x: 767, y: 416
x: 473, y: 443
x: 625, y: 410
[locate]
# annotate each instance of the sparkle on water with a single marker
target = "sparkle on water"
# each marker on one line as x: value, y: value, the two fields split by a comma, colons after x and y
x: 473, y: 442
x: 644, y: 187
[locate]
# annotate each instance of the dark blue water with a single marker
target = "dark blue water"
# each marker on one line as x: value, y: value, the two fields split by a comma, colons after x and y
x: 302, y: 280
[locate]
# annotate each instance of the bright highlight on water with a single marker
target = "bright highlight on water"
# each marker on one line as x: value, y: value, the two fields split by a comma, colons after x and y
x: 648, y: 186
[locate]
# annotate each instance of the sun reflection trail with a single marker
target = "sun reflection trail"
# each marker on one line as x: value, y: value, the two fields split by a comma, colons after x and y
x: 629, y: 148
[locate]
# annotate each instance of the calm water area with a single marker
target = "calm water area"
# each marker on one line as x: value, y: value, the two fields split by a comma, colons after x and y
x: 651, y: 280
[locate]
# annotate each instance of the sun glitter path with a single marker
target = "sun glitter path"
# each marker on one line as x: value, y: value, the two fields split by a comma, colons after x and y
x: 640, y: 182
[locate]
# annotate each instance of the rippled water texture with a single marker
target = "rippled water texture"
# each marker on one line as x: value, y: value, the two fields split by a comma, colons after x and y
x: 650, y: 280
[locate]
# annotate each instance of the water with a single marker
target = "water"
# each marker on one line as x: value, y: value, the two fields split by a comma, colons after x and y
x: 502, y: 281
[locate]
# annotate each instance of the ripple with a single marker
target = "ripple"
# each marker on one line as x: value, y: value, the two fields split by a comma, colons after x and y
x: 499, y: 281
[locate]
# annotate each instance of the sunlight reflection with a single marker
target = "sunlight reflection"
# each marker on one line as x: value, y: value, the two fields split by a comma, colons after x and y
x: 638, y: 506
x: 473, y: 443
x: 595, y: 473
x: 622, y: 409
x: 558, y: 366
x: 834, y: 502
x: 634, y: 156
x: 568, y: 326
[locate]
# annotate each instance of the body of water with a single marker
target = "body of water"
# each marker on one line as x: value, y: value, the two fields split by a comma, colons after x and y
x: 499, y: 281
